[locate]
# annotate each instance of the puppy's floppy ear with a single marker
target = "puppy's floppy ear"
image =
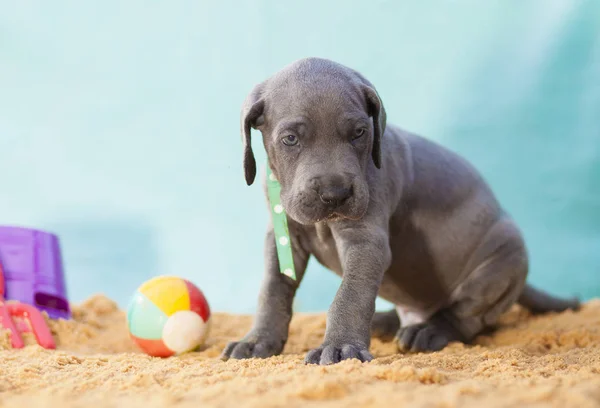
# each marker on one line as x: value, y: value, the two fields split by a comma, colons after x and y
x: 251, y: 117
x: 377, y: 112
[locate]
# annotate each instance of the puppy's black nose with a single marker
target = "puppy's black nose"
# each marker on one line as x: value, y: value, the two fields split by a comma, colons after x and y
x: 334, y: 196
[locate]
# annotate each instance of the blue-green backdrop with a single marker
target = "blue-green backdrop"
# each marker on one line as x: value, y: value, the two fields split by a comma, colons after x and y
x: 119, y: 125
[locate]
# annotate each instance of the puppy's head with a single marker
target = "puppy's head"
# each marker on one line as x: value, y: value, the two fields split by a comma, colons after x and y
x: 322, y: 125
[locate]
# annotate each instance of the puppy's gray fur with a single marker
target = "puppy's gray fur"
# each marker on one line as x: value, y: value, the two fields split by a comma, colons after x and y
x: 394, y: 214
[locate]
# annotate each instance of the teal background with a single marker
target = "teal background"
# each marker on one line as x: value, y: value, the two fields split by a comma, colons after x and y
x: 119, y: 126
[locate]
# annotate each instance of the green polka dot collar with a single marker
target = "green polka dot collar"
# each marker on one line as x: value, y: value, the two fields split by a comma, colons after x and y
x: 280, y: 226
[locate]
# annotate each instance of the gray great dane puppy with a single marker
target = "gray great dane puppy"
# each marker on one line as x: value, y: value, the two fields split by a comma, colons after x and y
x: 394, y: 214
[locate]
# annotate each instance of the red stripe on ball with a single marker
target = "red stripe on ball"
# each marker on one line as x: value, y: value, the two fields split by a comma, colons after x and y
x: 155, y: 348
x: 198, y: 302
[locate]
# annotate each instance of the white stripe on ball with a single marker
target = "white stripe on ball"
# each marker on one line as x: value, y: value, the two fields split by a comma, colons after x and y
x: 183, y: 331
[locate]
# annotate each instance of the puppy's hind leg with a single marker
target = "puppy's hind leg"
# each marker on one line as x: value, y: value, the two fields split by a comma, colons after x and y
x: 499, y: 268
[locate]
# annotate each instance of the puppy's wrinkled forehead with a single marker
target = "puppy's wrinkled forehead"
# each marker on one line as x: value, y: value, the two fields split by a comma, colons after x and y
x: 317, y: 98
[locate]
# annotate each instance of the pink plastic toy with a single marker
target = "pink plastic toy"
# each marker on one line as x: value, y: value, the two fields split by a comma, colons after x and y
x: 21, y: 318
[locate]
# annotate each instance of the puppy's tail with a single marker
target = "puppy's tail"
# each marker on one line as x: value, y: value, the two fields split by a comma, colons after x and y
x: 537, y: 301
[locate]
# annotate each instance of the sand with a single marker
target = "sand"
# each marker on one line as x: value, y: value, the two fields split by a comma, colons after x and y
x: 543, y: 361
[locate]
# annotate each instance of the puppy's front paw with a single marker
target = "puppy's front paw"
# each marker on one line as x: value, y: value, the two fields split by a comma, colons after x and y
x: 252, y: 347
x: 423, y: 337
x: 334, y: 353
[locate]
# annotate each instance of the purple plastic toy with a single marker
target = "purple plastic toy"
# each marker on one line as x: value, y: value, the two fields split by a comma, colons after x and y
x: 33, y: 270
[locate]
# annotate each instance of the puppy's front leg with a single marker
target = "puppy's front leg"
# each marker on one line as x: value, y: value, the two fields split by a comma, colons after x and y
x: 365, y: 256
x: 270, y: 330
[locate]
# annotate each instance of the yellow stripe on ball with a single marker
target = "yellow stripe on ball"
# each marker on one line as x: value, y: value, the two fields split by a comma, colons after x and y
x: 168, y: 293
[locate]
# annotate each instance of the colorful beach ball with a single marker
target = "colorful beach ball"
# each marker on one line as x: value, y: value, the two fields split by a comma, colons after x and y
x: 168, y: 316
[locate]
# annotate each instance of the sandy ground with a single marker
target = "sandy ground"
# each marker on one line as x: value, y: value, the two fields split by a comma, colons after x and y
x: 551, y: 360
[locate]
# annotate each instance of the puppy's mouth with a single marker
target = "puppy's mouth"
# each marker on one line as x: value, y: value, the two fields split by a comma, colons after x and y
x: 336, y: 216
x: 333, y: 217
x: 340, y: 215
x: 307, y: 208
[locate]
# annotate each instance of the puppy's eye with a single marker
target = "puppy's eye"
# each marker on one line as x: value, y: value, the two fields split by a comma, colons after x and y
x: 290, y: 140
x: 358, y: 133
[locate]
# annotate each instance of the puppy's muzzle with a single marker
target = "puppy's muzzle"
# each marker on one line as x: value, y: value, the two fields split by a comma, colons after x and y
x: 333, y: 191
